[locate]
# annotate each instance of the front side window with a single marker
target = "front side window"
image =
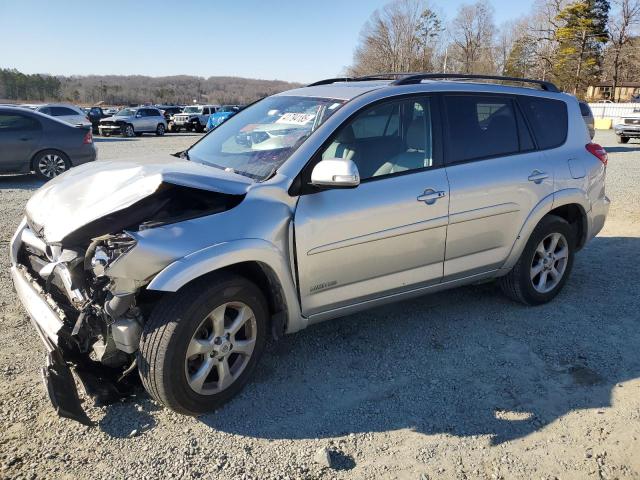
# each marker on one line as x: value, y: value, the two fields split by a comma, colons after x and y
x: 256, y: 141
x: 386, y: 139
x: 480, y: 127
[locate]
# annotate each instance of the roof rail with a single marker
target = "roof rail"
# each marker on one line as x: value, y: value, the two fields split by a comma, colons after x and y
x: 412, y: 79
x: 328, y: 81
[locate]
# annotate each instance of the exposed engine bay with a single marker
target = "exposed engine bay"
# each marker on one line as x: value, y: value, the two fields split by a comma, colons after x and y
x: 102, y: 316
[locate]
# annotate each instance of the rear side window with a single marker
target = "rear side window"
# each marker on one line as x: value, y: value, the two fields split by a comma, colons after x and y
x: 480, y: 127
x: 11, y: 123
x: 585, y: 110
x: 548, y: 119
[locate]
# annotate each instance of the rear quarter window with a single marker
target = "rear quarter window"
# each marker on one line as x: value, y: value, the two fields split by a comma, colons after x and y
x: 548, y: 119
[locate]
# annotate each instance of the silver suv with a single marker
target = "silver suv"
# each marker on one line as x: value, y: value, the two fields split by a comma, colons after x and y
x: 309, y: 205
x: 134, y: 121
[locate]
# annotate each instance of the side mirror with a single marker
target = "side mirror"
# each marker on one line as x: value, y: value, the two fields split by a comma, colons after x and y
x: 336, y: 173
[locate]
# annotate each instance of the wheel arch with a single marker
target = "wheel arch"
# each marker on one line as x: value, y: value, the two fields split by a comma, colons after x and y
x: 257, y: 260
x: 571, y: 204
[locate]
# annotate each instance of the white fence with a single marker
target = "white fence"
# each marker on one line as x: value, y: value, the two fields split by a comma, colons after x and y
x: 615, y: 110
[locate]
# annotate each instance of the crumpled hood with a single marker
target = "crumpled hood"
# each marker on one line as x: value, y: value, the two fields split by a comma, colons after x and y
x: 94, y: 190
x: 116, y: 119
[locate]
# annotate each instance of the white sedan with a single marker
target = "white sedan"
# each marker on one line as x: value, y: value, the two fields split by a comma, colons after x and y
x: 65, y: 112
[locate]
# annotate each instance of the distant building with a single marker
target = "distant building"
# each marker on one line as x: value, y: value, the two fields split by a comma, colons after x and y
x: 625, y: 92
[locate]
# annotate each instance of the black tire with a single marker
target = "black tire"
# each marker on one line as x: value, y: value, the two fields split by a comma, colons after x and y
x: 128, y: 131
x: 199, y: 128
x: 160, y: 130
x: 188, y: 128
x: 623, y: 139
x: 176, y: 129
x: 106, y: 134
x: 50, y: 157
x: 518, y: 284
x: 167, y: 334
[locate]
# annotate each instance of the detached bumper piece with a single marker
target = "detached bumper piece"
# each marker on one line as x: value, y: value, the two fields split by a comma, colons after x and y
x: 61, y: 388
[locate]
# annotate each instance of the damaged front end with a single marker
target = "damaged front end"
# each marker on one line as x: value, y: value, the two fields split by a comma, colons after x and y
x: 87, y: 308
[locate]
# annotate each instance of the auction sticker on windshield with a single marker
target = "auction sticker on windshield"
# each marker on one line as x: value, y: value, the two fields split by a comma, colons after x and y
x: 296, y: 118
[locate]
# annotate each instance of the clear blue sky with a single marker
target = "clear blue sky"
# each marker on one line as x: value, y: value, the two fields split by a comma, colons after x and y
x: 278, y: 39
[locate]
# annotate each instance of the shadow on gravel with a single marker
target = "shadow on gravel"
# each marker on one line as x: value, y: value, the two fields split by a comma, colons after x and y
x: 463, y: 362
x: 21, y: 181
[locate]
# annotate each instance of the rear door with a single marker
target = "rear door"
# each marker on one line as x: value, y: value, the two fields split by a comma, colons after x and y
x: 19, y: 136
x: 388, y: 234
x: 497, y: 176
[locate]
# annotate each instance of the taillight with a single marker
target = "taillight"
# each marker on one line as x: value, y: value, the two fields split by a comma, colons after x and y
x: 598, y: 151
x: 88, y: 138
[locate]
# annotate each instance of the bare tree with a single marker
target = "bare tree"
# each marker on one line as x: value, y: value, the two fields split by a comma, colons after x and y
x: 401, y: 37
x: 473, y: 34
x: 622, y: 24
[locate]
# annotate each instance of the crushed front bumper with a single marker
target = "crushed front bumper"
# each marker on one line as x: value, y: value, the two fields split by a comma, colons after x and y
x: 56, y: 374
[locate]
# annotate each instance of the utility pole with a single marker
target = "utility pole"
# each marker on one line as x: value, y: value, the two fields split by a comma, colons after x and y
x: 446, y: 54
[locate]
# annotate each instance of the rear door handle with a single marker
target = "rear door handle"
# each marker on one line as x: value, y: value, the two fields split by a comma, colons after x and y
x: 430, y: 196
x: 537, y: 176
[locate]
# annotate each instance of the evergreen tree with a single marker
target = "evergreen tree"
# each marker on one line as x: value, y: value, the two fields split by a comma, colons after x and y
x: 581, y: 37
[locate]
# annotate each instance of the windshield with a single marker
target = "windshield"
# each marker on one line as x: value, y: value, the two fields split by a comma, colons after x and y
x: 228, y: 109
x: 259, y: 139
x: 126, y: 112
x: 192, y: 110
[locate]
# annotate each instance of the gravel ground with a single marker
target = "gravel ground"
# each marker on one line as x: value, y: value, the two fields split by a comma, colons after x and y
x: 461, y: 384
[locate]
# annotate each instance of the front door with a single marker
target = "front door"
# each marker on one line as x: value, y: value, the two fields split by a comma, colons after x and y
x: 388, y: 234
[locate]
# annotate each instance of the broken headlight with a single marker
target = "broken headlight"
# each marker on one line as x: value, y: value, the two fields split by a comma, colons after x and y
x: 104, y: 251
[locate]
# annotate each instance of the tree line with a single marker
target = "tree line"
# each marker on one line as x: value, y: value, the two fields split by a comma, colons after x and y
x: 572, y: 43
x: 135, y: 89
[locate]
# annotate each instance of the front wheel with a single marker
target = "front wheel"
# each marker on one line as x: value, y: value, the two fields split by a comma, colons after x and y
x: 128, y: 131
x: 623, y: 139
x: 201, y: 344
x: 160, y: 130
x: 544, y: 265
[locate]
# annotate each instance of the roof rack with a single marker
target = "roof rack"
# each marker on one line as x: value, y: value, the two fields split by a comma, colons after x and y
x: 406, y: 78
x: 417, y: 78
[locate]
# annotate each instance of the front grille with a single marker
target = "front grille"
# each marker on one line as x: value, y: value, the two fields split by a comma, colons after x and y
x: 108, y: 123
x: 632, y: 121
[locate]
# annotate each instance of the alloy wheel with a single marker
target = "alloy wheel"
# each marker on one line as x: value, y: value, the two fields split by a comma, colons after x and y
x: 549, y: 262
x: 51, y: 165
x: 221, y: 348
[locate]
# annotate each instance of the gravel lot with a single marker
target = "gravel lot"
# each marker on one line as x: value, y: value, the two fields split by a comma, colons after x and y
x: 461, y: 384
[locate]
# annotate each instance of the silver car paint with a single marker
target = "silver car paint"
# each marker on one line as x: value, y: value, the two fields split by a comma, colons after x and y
x: 372, y: 255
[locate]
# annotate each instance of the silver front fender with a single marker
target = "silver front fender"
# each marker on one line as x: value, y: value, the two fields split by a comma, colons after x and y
x: 225, y: 254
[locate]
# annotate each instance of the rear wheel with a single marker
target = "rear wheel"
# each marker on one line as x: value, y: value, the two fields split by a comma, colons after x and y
x: 128, y: 131
x: 50, y: 163
x: 545, y: 263
x: 623, y: 139
x: 201, y: 344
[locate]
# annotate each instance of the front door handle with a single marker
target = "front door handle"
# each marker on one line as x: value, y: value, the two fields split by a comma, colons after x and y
x: 430, y: 196
x: 25, y: 139
x: 537, y: 176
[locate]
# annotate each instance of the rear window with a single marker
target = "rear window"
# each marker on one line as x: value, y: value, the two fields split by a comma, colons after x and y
x: 62, y: 112
x: 548, y: 119
x: 585, y: 110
